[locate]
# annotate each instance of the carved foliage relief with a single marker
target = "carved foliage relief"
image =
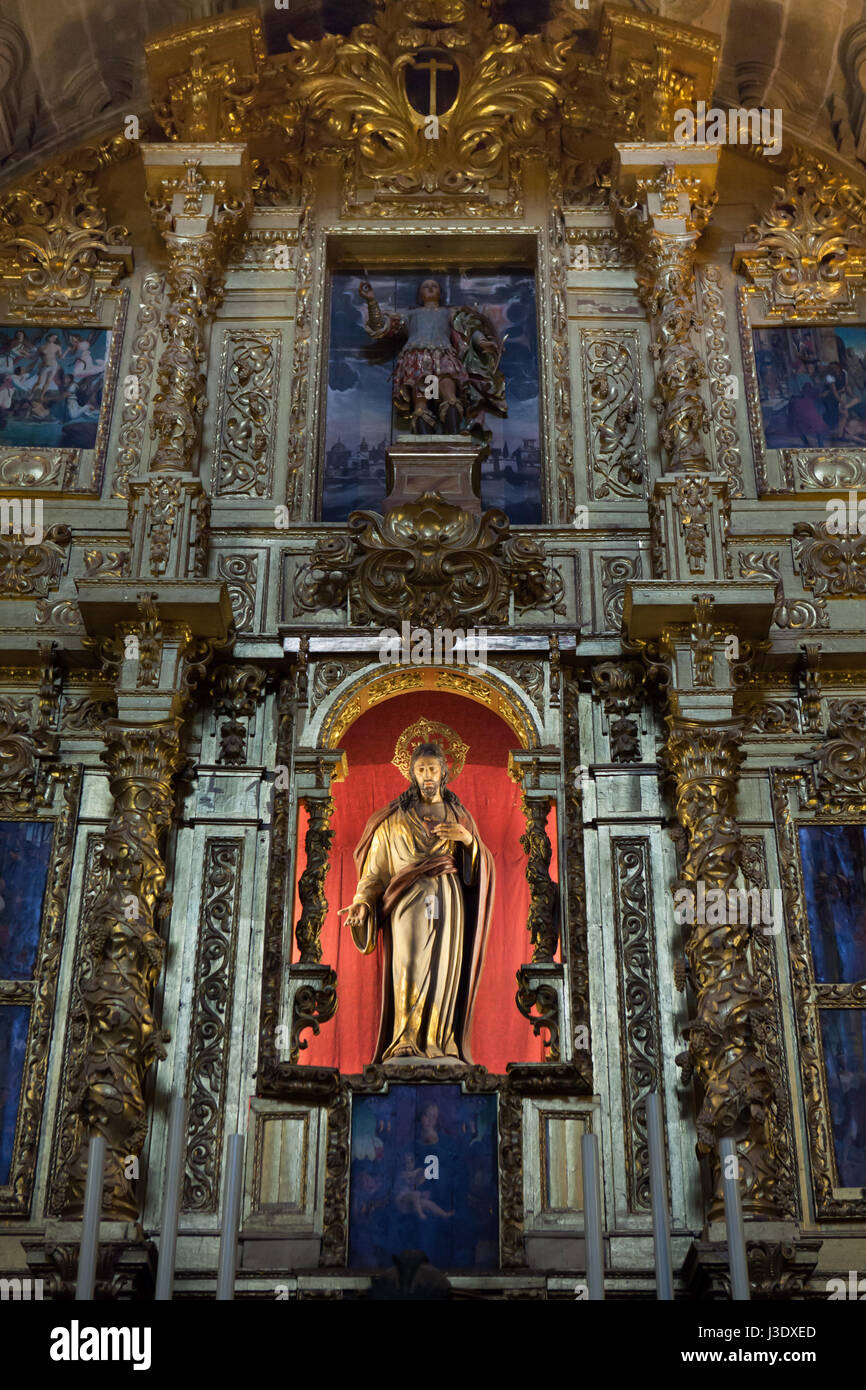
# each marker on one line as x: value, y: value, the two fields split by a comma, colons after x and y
x: 640, y: 1038
x: 249, y: 390
x: 207, y: 1070
x: 614, y: 409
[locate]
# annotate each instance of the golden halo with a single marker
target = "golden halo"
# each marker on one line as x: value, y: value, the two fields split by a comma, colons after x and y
x: 428, y: 731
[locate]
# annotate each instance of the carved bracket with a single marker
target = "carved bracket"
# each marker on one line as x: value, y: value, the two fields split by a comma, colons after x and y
x: 619, y: 685
x: 33, y: 568
x: 428, y: 561
x: 237, y: 691
x: 312, y: 1002
x: 829, y: 564
x: 540, y: 988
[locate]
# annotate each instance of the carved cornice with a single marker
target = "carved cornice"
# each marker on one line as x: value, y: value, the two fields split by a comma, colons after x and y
x: 429, y: 561
x: 500, y: 94
x: 204, y: 77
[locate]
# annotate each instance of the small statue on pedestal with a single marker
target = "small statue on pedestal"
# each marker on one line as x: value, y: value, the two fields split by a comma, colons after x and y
x: 447, y: 372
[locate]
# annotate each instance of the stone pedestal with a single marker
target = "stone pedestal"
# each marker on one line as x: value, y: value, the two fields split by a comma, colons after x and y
x: 449, y: 464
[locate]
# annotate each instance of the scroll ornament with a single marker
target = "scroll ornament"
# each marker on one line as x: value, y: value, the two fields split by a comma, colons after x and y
x: 430, y: 561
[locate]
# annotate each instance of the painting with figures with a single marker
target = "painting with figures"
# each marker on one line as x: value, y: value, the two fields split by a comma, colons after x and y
x: 834, y: 879
x: 51, y: 385
x: 392, y: 335
x: 424, y: 1177
x: 812, y: 385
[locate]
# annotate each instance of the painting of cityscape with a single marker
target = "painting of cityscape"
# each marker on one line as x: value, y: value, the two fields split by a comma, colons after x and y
x: 360, y: 419
x: 834, y: 879
x: 424, y: 1177
x: 25, y: 856
x: 843, y: 1033
x: 812, y: 385
x: 51, y: 385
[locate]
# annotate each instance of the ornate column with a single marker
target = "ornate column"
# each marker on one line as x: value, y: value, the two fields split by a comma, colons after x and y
x: 311, y: 885
x: 199, y: 196
x: 664, y: 197
x: 155, y: 662
x: 540, y: 985
x: 726, y: 1032
x: 155, y: 634
x: 312, y: 985
x: 124, y: 956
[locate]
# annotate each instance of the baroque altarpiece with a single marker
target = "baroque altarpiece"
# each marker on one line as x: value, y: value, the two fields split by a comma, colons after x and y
x: 237, y: 520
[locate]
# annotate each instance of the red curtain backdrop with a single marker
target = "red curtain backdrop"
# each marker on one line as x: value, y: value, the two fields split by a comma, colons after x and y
x: 500, y: 1034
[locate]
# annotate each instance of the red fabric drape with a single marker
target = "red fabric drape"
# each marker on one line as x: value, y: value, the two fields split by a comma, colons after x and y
x: 500, y: 1034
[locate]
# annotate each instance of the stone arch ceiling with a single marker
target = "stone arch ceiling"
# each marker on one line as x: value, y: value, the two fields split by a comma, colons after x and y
x: 72, y: 70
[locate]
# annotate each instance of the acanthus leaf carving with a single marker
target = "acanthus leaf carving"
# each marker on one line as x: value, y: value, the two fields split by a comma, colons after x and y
x: 808, y: 253
x: 839, y: 764
x: 57, y: 250
x: 614, y: 403
x: 829, y: 564
x: 33, y: 567
x: 430, y: 561
x: 796, y: 613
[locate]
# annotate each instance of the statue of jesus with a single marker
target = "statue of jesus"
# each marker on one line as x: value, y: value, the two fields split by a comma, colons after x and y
x: 447, y: 371
x: 426, y: 880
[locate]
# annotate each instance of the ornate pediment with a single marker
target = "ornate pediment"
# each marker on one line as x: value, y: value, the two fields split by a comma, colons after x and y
x: 808, y: 253
x: 428, y: 561
x: 433, y: 97
x: 57, y: 250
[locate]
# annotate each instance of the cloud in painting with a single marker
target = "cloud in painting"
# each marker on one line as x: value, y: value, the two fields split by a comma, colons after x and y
x: 342, y: 375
